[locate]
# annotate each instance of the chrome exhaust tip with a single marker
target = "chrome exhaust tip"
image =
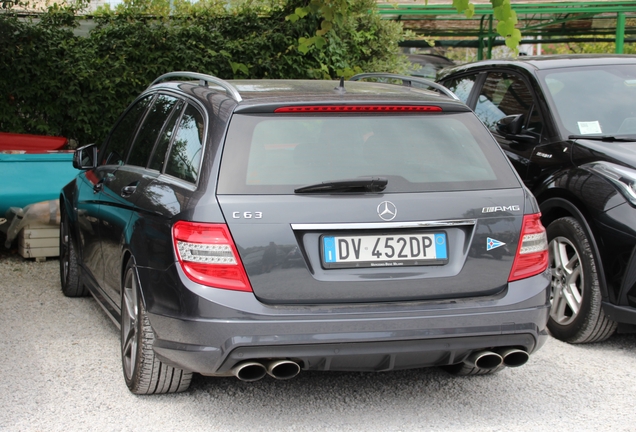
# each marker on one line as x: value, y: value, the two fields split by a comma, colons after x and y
x: 249, y: 371
x: 283, y: 369
x: 484, y: 360
x: 513, y: 357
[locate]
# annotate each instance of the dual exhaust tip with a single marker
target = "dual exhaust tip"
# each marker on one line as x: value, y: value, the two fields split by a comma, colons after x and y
x: 488, y: 360
x: 251, y: 371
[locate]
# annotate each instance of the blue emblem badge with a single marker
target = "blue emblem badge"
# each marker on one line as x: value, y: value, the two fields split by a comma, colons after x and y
x: 493, y: 244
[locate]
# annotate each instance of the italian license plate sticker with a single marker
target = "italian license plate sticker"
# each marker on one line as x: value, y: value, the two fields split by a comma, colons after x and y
x: 385, y: 250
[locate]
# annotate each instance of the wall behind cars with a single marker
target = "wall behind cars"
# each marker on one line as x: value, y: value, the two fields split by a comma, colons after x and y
x: 55, y: 82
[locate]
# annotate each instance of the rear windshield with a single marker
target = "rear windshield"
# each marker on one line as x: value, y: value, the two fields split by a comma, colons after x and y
x: 276, y: 153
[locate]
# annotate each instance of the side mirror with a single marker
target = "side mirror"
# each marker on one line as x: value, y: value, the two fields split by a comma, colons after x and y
x: 510, y: 125
x: 85, y: 157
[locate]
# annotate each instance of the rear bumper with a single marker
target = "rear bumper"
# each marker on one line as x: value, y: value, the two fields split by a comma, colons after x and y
x: 217, y: 329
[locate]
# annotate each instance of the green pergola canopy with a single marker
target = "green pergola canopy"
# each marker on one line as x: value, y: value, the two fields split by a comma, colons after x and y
x: 581, y: 21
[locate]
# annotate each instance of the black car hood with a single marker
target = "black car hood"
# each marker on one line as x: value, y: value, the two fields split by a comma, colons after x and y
x: 620, y: 151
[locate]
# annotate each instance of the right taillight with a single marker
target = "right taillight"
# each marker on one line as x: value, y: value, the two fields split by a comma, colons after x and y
x: 532, y: 254
x: 207, y: 255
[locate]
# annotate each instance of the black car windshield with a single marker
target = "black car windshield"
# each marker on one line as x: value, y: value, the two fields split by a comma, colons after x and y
x: 593, y: 100
x: 278, y: 153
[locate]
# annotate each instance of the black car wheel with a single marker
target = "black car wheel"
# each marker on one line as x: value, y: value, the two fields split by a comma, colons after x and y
x: 576, y: 315
x: 70, y: 279
x: 143, y: 372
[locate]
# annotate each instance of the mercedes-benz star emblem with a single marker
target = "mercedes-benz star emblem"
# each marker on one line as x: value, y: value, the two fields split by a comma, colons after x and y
x: 387, y: 210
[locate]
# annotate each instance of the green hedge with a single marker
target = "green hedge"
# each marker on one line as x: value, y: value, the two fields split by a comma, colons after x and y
x: 53, y: 82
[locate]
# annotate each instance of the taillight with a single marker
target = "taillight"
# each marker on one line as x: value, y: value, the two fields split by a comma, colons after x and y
x: 357, y: 108
x: 532, y: 254
x: 207, y: 255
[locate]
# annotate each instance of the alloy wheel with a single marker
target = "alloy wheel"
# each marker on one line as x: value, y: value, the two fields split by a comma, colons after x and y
x: 567, y: 281
x: 129, y: 317
x: 64, y: 252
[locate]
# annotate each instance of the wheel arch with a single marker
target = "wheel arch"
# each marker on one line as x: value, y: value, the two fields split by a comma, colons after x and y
x: 65, y: 206
x: 128, y: 255
x: 555, y: 204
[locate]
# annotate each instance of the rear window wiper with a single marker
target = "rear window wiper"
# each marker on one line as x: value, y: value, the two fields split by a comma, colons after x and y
x: 609, y: 138
x: 361, y: 184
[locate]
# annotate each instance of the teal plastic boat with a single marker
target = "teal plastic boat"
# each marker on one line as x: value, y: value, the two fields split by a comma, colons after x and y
x: 28, y: 178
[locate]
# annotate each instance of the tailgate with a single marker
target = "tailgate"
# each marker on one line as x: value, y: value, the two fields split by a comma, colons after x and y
x: 338, y: 248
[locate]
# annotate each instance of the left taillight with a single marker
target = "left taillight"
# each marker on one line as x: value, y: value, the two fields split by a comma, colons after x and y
x: 532, y: 254
x: 207, y: 254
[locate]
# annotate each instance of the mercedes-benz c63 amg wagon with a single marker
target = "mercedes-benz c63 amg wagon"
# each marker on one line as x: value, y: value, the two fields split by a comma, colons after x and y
x: 269, y: 227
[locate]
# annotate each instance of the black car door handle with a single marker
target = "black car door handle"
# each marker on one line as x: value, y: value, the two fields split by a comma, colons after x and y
x: 99, y: 186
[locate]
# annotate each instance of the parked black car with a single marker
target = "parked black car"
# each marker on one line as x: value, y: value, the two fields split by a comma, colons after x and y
x: 428, y: 65
x: 568, y: 124
x: 270, y: 226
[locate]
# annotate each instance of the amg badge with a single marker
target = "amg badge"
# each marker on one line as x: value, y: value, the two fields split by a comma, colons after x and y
x: 512, y: 208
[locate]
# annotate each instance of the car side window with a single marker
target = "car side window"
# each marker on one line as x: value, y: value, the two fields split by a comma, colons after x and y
x: 121, y: 136
x: 184, y: 159
x: 150, y: 130
x: 461, y: 86
x: 158, y: 157
x: 505, y: 94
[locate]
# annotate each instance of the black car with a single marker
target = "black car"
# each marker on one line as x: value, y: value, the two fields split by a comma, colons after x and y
x: 568, y: 124
x: 428, y: 65
x: 268, y: 226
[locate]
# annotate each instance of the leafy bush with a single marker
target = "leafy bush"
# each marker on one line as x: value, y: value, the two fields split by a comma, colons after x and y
x: 54, y: 82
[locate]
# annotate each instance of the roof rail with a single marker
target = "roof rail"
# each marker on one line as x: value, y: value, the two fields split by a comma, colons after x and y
x: 407, y: 81
x: 205, y: 80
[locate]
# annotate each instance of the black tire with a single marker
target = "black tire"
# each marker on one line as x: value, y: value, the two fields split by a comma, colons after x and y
x: 70, y: 278
x: 143, y: 372
x: 576, y: 315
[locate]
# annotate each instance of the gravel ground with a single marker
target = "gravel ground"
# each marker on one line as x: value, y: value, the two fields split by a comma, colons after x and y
x: 60, y: 361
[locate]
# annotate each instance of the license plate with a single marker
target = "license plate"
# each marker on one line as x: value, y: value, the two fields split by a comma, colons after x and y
x: 390, y: 250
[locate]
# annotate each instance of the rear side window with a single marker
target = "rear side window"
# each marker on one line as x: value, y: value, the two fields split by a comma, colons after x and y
x: 461, y: 86
x: 122, y: 135
x: 277, y: 153
x: 159, y: 154
x: 150, y: 129
x: 184, y: 159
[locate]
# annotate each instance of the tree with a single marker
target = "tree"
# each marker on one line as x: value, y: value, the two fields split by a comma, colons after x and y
x: 334, y: 11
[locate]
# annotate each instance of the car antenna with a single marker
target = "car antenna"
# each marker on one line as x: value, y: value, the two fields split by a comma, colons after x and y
x: 341, y: 88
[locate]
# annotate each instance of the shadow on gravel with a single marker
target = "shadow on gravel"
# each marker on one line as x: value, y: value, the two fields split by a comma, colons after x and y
x: 618, y: 342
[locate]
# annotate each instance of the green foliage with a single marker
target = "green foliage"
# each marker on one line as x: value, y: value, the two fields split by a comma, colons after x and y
x: 506, y: 17
x: 54, y: 82
x: 333, y: 12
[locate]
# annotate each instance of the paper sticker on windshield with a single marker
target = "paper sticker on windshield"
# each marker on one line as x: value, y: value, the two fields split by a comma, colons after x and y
x: 590, y: 127
x: 630, y: 83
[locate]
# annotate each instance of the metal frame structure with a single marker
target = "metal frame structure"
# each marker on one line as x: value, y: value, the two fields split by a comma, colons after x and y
x: 561, y: 20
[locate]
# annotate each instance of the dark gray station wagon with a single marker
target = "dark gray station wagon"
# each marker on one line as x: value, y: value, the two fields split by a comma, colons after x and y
x: 267, y: 227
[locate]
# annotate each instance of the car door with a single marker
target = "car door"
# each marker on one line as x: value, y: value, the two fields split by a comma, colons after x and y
x: 506, y: 105
x: 176, y: 163
x: 91, y: 185
x: 124, y: 187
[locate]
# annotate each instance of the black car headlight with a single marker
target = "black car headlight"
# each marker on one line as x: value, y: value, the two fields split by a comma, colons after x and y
x: 622, y: 177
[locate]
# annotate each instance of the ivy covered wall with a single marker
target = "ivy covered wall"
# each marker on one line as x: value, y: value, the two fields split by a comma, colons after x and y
x: 54, y: 82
